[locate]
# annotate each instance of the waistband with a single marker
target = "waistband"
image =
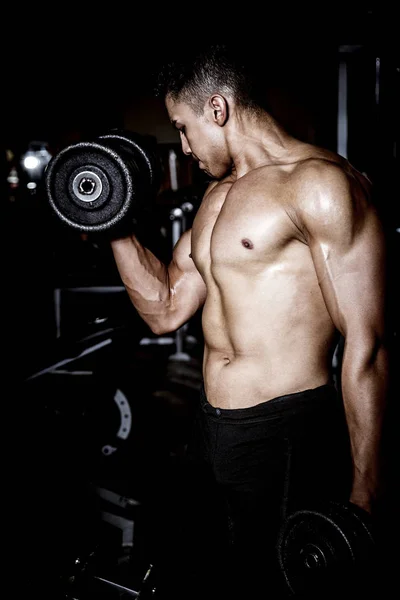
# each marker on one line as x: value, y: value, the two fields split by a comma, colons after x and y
x: 288, y: 403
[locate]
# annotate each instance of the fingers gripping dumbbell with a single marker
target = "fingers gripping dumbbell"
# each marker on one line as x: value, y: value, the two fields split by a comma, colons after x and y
x: 96, y: 185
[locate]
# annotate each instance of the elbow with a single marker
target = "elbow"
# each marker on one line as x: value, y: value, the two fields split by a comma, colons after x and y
x: 162, y: 325
x: 159, y: 328
x: 376, y: 351
x: 168, y: 323
x: 367, y: 354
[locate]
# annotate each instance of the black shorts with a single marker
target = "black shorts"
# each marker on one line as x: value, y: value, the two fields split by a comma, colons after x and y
x: 247, y: 469
x: 292, y: 447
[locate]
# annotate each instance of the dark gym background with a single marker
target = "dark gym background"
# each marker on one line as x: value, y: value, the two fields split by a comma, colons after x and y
x: 97, y: 410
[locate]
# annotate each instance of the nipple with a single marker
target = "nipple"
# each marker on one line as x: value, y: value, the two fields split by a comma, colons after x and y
x: 247, y: 243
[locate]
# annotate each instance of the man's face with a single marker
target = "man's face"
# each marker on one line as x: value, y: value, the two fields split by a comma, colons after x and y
x: 201, y: 137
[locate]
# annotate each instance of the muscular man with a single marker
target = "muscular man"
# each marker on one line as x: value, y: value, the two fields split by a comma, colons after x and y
x: 286, y: 252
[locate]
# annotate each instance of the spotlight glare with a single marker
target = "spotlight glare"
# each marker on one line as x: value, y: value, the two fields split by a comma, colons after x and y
x: 31, y: 162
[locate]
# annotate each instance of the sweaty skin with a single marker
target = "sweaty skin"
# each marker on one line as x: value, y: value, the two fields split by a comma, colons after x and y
x: 285, y: 252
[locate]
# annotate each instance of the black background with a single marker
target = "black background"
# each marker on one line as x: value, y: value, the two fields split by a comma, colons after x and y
x: 79, y: 67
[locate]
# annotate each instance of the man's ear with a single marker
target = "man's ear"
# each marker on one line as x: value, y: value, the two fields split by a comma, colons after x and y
x: 220, y: 109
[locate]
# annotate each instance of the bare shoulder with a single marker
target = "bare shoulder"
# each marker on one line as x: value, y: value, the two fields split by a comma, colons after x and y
x: 218, y: 188
x: 330, y: 190
x: 210, y: 187
x: 332, y: 171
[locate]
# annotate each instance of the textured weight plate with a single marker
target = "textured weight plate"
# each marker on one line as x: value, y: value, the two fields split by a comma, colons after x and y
x: 74, y: 170
x: 320, y: 550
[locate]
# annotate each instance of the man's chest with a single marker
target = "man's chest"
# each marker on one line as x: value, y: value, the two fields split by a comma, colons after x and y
x: 242, y: 228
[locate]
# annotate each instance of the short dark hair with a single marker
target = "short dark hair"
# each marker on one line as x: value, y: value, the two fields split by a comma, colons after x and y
x: 192, y: 76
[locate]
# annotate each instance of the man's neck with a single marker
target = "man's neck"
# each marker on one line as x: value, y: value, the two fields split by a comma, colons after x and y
x: 260, y: 141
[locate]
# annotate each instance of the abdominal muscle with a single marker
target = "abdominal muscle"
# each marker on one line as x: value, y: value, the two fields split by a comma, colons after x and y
x: 253, y: 354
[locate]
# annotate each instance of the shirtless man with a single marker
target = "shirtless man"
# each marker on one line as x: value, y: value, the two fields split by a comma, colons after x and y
x: 286, y: 251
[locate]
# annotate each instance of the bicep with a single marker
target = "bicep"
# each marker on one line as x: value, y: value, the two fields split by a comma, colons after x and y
x: 186, y: 283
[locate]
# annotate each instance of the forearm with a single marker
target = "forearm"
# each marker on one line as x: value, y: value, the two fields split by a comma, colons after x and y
x: 146, y: 280
x: 365, y: 389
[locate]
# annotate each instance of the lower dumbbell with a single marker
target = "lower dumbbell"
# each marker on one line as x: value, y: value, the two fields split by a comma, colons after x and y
x: 95, y: 185
x: 326, y: 550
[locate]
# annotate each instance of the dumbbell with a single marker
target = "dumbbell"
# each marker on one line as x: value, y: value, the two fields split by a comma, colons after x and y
x: 96, y: 185
x: 327, y: 550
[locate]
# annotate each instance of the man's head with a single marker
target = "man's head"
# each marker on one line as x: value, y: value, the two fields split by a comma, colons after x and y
x: 192, y: 76
x: 201, y: 90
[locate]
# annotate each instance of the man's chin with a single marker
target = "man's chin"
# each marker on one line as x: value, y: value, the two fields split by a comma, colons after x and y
x: 208, y: 173
x: 205, y: 171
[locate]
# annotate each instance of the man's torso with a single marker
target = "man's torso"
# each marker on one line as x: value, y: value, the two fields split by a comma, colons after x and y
x: 266, y: 328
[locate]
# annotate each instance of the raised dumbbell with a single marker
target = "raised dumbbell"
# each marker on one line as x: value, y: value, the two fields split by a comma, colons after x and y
x: 95, y: 185
x: 327, y: 551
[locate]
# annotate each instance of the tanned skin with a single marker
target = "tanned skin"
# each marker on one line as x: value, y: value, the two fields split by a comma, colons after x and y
x: 286, y: 251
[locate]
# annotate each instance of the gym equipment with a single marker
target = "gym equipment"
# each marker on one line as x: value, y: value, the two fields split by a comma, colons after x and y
x: 326, y: 550
x: 95, y: 185
x: 84, y: 580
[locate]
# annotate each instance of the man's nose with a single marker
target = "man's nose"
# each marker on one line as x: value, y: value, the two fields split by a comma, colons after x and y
x: 185, y: 147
